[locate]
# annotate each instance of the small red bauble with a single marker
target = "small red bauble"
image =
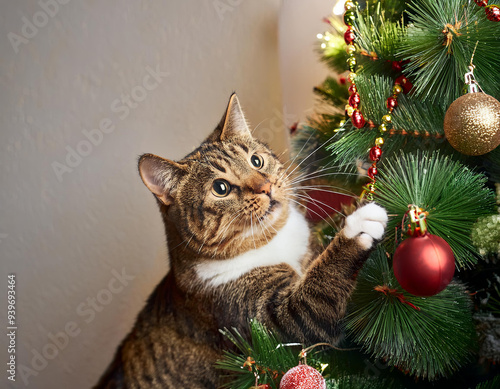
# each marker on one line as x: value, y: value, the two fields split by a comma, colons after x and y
x: 353, y: 89
x: 354, y: 100
x: 357, y: 119
x: 481, y: 3
x: 493, y: 13
x: 375, y: 153
x: 303, y: 377
x: 397, y: 66
x: 404, y: 82
x: 372, y: 171
x: 349, y: 36
x: 424, y: 265
x: 392, y: 103
x: 342, y: 80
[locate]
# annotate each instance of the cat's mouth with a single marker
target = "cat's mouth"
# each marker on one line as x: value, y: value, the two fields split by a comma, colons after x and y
x: 273, y: 205
x: 273, y: 212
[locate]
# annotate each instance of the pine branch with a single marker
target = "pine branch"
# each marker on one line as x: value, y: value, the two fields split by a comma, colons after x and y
x: 491, y: 163
x: 378, y: 35
x: 392, y: 9
x: 361, y: 382
x: 264, y: 355
x: 430, y: 343
x: 453, y: 195
x: 491, y: 384
x: 332, y: 92
x: 439, y: 46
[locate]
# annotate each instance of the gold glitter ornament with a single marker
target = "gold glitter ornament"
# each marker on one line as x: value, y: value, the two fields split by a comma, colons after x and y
x: 472, y: 124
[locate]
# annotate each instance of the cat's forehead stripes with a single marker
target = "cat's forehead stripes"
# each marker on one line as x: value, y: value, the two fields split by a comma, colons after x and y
x: 226, y: 157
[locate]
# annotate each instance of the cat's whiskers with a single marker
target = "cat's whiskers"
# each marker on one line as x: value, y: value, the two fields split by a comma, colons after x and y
x: 263, y: 225
x: 316, y: 201
x: 308, y: 156
x: 190, y: 239
x: 251, y: 225
x: 320, y: 188
x: 226, y: 229
x: 302, y: 205
x: 262, y: 228
x: 291, y: 163
x: 185, y: 241
x: 318, y: 174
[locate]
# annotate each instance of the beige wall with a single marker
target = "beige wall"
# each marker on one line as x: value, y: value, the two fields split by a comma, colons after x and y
x: 86, y: 87
x: 67, y: 235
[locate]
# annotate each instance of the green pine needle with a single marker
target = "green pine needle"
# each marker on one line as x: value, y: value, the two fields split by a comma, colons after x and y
x: 361, y: 382
x: 378, y: 34
x: 440, y: 42
x: 491, y: 384
x: 429, y: 343
x: 272, y: 358
x: 453, y: 195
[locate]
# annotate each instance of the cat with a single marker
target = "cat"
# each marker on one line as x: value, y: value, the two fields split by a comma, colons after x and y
x: 239, y: 250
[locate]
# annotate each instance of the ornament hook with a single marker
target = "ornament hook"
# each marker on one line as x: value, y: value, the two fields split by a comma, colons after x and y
x: 470, y: 80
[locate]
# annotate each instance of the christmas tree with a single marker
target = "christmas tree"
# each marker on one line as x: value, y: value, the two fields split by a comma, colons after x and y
x: 413, y: 123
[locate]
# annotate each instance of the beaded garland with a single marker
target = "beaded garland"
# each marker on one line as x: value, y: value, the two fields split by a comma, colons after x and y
x: 492, y: 11
x: 401, y: 84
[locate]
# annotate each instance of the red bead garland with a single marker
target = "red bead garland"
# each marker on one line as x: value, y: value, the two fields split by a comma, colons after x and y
x: 354, y: 100
x: 372, y: 171
x: 402, y: 84
x: 375, y: 153
x: 397, y: 66
x: 349, y: 36
x: 392, y: 103
x: 352, y: 107
x: 492, y: 11
x: 357, y: 119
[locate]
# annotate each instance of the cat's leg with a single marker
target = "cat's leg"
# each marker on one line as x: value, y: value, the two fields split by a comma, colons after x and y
x: 310, y: 309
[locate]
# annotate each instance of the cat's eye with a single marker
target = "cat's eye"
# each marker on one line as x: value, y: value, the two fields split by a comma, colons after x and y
x: 257, y: 161
x: 221, y: 188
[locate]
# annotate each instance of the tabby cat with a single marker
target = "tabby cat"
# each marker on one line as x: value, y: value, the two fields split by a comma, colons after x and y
x: 239, y: 249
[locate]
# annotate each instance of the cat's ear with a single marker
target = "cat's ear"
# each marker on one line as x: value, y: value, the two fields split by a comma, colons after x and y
x: 233, y: 122
x: 161, y: 176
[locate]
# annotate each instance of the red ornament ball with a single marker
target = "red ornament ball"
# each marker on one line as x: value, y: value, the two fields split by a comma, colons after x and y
x: 481, y: 3
x: 353, y: 89
x: 349, y: 36
x: 354, y: 100
x: 375, y: 153
x: 303, y: 377
x: 357, y: 119
x: 493, y: 13
x: 424, y: 265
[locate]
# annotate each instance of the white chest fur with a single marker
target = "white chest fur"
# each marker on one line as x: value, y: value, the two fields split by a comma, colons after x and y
x: 289, y: 245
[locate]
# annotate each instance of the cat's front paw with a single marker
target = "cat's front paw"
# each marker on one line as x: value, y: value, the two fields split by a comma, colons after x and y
x: 366, y: 225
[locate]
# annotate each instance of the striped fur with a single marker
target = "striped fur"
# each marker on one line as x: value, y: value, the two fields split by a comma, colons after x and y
x: 233, y: 258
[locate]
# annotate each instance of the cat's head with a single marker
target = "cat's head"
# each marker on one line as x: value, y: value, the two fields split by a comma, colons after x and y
x: 227, y: 196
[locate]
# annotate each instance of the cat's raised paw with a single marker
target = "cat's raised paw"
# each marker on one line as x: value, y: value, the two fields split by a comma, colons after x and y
x: 366, y: 225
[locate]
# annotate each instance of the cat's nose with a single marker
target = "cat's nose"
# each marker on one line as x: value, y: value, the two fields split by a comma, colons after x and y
x: 265, y: 188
